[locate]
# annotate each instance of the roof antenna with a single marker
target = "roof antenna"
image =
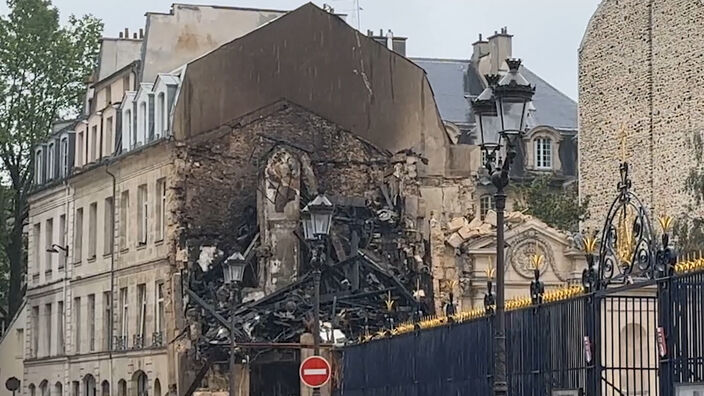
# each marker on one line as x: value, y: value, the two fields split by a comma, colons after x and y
x: 357, y: 7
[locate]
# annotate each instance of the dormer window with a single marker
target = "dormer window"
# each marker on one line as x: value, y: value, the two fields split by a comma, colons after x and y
x: 38, y: 166
x: 50, y: 162
x: 160, y: 119
x: 543, y: 153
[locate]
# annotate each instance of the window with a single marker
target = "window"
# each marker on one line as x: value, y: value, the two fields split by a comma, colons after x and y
x: 142, y: 211
x: 89, y: 385
x: 79, y: 149
x: 159, y: 308
x: 34, y: 348
x: 50, y: 162
x: 157, y: 387
x: 94, y: 143
x: 486, y: 203
x: 48, y: 241
x: 92, y: 229
x: 141, y: 382
x: 58, y: 389
x: 44, y: 388
x: 122, y: 388
x: 78, y: 237
x: 47, y: 330
x: 36, y: 239
x: 105, y: 388
x: 75, y: 387
x: 63, y: 156
x: 77, y: 325
x: 91, y: 322
x: 32, y: 390
x: 60, y: 314
x: 123, y: 314
x: 109, y: 226
x: 124, y: 219
x: 142, y: 315
x: 62, y: 241
x: 109, y: 140
x: 39, y: 166
x: 160, y: 208
x: 543, y: 153
x: 107, y: 320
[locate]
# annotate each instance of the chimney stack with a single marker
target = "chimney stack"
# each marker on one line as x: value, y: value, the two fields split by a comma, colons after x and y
x: 127, y: 33
x: 141, y: 33
x: 500, y: 48
x: 121, y: 35
x: 134, y: 36
x: 479, y: 49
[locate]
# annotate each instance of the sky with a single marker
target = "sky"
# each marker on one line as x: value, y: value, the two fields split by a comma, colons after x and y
x: 547, y: 33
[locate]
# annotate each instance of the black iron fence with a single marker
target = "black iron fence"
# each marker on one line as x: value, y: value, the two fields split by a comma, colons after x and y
x: 643, y: 339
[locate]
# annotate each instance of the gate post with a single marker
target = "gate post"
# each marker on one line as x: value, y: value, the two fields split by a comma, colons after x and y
x: 591, y: 344
x: 665, y: 334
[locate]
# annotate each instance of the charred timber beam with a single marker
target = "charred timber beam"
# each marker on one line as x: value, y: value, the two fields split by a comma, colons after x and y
x: 198, y: 379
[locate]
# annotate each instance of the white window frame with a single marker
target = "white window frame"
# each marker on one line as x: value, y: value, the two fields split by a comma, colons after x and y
x: 38, y: 166
x: 142, y: 304
x: 63, y: 156
x: 543, y: 151
x: 143, y: 214
x: 491, y: 205
x: 159, y: 307
x: 124, y: 312
x: 160, y: 215
x: 50, y: 162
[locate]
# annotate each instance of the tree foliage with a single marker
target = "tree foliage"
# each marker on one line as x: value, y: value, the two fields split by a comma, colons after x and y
x: 43, y: 70
x: 689, y: 227
x: 556, y: 206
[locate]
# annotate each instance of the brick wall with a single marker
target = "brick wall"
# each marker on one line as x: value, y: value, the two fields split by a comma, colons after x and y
x: 640, y: 67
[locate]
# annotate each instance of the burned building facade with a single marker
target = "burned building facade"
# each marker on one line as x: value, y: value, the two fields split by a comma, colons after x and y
x: 217, y: 157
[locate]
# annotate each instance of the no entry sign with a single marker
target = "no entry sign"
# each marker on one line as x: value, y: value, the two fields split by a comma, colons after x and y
x: 315, y: 372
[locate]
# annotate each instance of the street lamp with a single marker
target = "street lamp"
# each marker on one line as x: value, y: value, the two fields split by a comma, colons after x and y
x: 233, y: 272
x: 501, y: 129
x: 316, y: 219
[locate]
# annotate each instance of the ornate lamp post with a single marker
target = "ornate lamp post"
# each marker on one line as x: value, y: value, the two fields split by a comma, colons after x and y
x: 501, y: 111
x: 233, y: 271
x: 316, y: 219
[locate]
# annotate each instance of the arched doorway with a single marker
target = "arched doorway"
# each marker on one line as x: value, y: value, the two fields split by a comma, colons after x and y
x: 89, y: 385
x: 105, y: 388
x: 157, y: 387
x: 58, y: 389
x: 140, y: 383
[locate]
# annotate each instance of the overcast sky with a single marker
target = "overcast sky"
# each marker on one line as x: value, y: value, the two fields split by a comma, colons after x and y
x: 546, y: 33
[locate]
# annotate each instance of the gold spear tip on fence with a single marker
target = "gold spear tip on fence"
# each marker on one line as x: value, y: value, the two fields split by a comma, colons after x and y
x: 536, y: 261
x: 665, y: 223
x: 590, y: 244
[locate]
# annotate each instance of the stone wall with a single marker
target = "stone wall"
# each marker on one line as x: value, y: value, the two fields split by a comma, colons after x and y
x: 640, y: 77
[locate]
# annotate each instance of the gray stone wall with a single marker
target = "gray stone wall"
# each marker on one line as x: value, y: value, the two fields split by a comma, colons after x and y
x: 640, y: 75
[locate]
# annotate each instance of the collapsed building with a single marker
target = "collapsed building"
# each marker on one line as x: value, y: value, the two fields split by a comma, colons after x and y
x: 236, y: 143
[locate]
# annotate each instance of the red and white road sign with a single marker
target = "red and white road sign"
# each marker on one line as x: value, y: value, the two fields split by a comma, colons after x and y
x: 315, y: 372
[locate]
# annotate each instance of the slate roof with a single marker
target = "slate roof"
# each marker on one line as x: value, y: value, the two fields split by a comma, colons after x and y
x: 452, y: 79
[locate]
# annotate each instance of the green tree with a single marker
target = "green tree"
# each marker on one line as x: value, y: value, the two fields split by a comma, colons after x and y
x: 689, y: 226
x: 557, y: 206
x: 43, y: 70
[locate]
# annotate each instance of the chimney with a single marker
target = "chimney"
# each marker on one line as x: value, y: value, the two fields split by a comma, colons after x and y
x: 141, y: 33
x: 500, y: 48
x: 121, y: 35
x: 479, y: 49
x: 127, y: 33
x: 390, y: 40
x: 134, y: 36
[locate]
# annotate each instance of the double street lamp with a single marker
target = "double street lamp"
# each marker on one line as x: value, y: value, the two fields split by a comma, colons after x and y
x: 316, y: 219
x: 500, y: 112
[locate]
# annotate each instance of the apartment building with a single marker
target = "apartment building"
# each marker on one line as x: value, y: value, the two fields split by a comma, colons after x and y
x: 99, y: 313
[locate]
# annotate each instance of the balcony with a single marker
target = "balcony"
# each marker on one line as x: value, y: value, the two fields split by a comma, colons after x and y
x: 157, y: 339
x: 120, y: 343
x: 138, y: 341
